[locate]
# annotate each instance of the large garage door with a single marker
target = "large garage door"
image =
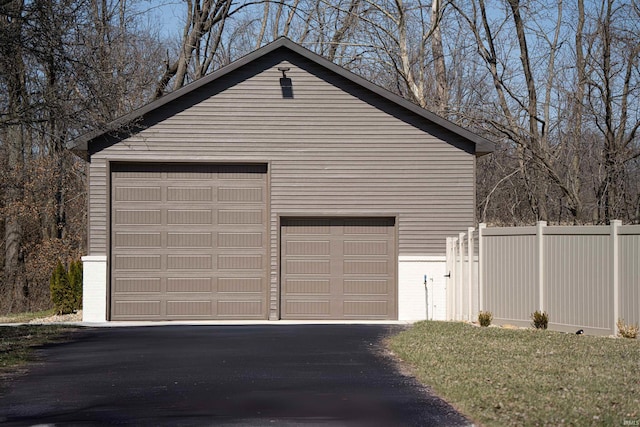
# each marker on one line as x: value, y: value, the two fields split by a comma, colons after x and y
x: 338, y: 268
x: 188, y: 242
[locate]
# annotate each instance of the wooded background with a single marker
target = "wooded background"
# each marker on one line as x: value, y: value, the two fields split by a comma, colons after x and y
x: 556, y: 84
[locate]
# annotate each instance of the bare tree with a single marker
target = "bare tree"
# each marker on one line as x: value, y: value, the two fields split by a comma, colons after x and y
x: 66, y: 65
x: 13, y: 142
x: 200, y: 40
x: 439, y: 63
x: 524, y: 119
x: 274, y: 20
x: 613, y: 89
x: 406, y: 41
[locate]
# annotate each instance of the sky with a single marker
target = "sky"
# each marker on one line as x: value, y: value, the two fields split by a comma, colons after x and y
x: 168, y: 14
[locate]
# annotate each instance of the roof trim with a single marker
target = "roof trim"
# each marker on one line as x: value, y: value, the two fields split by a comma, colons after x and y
x: 483, y: 146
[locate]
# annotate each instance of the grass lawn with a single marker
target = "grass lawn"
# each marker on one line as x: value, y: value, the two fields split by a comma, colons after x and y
x: 26, y: 317
x: 17, y: 343
x: 526, y: 377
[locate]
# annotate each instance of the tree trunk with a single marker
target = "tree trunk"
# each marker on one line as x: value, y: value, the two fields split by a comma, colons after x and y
x: 536, y: 141
x: 14, y: 284
x: 442, y: 86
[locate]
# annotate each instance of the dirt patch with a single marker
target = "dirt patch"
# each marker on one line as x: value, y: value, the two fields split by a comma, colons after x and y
x: 59, y: 318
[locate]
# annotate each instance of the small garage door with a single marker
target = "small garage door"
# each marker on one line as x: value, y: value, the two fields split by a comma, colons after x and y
x: 338, y: 268
x: 188, y: 242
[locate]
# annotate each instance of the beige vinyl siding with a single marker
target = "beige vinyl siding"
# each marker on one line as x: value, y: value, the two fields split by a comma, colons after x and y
x: 98, y: 207
x: 329, y: 152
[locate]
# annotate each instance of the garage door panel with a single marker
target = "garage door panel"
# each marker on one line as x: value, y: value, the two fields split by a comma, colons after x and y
x: 240, y: 194
x: 311, y: 247
x: 137, y: 217
x: 190, y: 216
x: 366, y: 308
x: 366, y: 247
x: 366, y: 287
x: 307, y: 286
x: 307, y: 267
x: 338, y: 268
x: 246, y: 285
x: 189, y: 284
x: 240, y: 240
x: 137, y: 262
x: 143, y: 172
x: 189, y: 262
x: 141, y: 309
x: 179, y: 252
x: 189, y: 240
x: 191, y: 175
x: 137, y: 240
x: 137, y: 194
x: 307, y: 309
x: 190, y: 194
x: 366, y: 267
x: 240, y: 217
x: 189, y: 308
x: 240, y: 309
x: 128, y: 285
x: 240, y: 262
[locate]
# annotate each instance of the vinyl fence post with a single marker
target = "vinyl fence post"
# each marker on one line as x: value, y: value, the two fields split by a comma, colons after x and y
x: 470, y: 270
x: 481, y: 228
x: 614, y: 273
x: 450, y: 267
x: 540, y: 240
x: 459, y: 277
x: 454, y: 280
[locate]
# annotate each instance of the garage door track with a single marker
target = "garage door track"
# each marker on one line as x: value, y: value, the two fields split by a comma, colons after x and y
x: 222, y: 375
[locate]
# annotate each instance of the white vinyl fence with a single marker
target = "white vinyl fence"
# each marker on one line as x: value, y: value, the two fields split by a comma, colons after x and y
x: 583, y: 277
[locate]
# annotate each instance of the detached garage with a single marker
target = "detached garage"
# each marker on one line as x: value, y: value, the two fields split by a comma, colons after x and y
x: 279, y: 187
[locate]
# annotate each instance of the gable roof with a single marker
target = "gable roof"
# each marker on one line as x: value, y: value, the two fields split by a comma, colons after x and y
x: 482, y: 145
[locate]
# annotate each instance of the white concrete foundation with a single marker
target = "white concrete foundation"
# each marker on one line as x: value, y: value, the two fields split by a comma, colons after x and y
x: 94, y: 288
x: 417, y: 301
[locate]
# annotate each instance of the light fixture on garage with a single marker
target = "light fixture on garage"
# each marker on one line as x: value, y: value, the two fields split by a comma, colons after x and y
x: 285, y: 83
x: 284, y: 71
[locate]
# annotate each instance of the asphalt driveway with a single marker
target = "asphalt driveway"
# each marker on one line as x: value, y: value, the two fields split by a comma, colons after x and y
x: 223, y: 375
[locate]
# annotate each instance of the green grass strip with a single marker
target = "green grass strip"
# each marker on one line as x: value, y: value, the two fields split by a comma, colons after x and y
x: 502, y: 377
x: 26, y: 317
x: 17, y: 343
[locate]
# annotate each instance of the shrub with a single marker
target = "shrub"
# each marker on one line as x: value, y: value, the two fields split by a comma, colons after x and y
x: 75, y: 282
x: 66, y: 287
x: 40, y: 261
x: 485, y: 318
x: 627, y: 331
x: 61, y: 292
x: 540, y: 319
